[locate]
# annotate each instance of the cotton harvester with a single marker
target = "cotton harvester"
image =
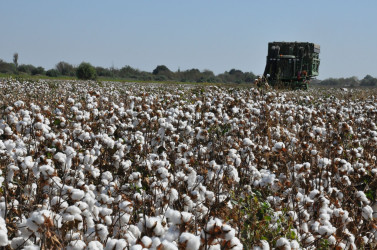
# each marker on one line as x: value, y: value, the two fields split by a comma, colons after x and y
x: 291, y: 64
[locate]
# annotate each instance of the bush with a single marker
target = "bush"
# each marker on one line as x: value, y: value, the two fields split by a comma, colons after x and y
x: 52, y: 73
x: 86, y: 71
x: 38, y: 71
x: 7, y: 67
x: 26, y: 68
x: 65, y: 69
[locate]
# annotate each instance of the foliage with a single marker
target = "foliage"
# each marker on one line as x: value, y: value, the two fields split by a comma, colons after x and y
x: 160, y: 73
x: 369, y: 81
x: 52, y: 73
x: 104, y: 72
x: 65, y: 69
x: 38, y: 71
x: 185, y: 167
x: 7, y: 68
x: 15, y: 59
x: 85, y: 71
x: 26, y: 68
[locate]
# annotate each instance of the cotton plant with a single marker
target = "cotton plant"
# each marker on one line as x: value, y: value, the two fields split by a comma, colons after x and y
x: 151, y: 166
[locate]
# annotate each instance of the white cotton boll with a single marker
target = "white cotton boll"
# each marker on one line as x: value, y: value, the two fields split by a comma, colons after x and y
x: 68, y: 217
x: 331, y: 240
x: 105, y: 211
x: 169, y: 245
x: 126, y: 206
x: 295, y: 245
x: 77, y: 194
x: 236, y: 244
x: 172, y: 233
x: 309, y: 239
x: 215, y: 247
x: 186, y: 217
x: 102, y: 231
x: 31, y: 247
x: 3, y: 233
x: 107, y: 176
x: 11, y: 171
x: 278, y: 146
x: 324, y: 217
x: 28, y: 161
x: 73, y: 210
x: 362, y: 197
x: 35, y: 220
x: 192, y: 241
x: 262, y: 245
x: 152, y: 222
x: 304, y: 227
x: 367, y: 213
x: 341, y: 245
x: 72, y: 236
x: 147, y: 242
x: 124, y: 219
x: 283, y: 242
x: 17, y: 242
x: 56, y: 200
x: 155, y: 242
x: 89, y: 222
x: 76, y: 245
x: 19, y: 104
x: 121, y: 244
x: 46, y: 170
x: 174, y: 216
x: 107, y: 220
x: 173, y: 195
x: 323, y: 162
x: 58, y: 220
x: 135, y: 231
x: 60, y: 157
x: 247, y: 142
x: 229, y: 232
x: 95, y: 245
x: 8, y: 131
x: 70, y: 100
x: 136, y: 247
x: 326, y: 230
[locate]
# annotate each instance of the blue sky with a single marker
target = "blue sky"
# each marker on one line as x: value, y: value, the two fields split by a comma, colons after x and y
x: 216, y: 35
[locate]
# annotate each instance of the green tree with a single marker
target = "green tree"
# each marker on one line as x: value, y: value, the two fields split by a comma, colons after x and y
x: 52, y: 73
x: 15, y: 59
x: 38, y: 71
x: 129, y: 72
x: 65, y: 69
x: 85, y: 71
x: 368, y: 80
x: 101, y: 71
x: 7, y: 68
x: 26, y: 68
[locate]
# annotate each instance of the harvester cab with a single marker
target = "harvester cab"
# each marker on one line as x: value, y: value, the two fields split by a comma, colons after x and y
x: 291, y: 64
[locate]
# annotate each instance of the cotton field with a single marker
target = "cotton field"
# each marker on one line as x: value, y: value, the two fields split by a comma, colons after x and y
x: 86, y: 165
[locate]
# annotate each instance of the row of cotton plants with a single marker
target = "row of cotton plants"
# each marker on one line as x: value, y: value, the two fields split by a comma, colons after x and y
x: 86, y: 165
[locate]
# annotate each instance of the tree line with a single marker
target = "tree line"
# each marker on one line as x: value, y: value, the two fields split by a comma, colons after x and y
x: 353, y: 82
x: 160, y: 73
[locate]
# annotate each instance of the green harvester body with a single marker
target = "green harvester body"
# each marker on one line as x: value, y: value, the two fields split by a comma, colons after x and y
x: 291, y: 64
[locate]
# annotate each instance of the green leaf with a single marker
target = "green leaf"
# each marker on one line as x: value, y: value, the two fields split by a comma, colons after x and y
x: 267, y: 218
x: 369, y: 195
